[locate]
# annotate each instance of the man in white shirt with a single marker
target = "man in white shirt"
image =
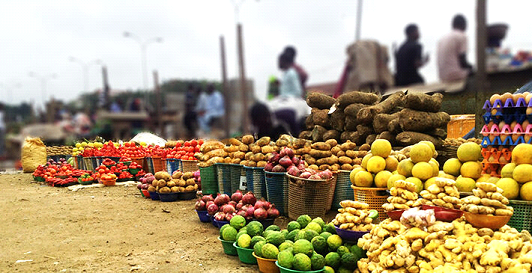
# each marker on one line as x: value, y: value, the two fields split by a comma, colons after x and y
x: 452, y: 49
x: 290, y: 83
x: 210, y: 108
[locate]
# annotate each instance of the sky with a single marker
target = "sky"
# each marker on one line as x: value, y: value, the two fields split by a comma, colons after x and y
x: 41, y: 36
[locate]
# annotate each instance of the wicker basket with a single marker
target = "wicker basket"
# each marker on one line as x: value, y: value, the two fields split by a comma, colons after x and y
x: 172, y: 165
x: 343, y: 189
x: 277, y: 190
x: 223, y: 173
x: 189, y: 165
x: 522, y: 217
x: 374, y: 197
x: 307, y: 197
x: 209, y: 183
x: 237, y: 175
x: 332, y: 186
x: 256, y: 182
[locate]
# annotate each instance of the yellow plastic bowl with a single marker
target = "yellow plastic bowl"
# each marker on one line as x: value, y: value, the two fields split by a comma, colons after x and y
x: 486, y: 221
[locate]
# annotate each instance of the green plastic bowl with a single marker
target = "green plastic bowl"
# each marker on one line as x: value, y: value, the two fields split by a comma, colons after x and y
x: 228, y: 246
x: 286, y: 270
x: 245, y: 254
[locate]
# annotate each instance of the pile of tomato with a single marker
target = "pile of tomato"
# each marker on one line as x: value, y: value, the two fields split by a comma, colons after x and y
x: 132, y: 150
x: 185, y: 151
x: 156, y: 151
x: 58, y: 174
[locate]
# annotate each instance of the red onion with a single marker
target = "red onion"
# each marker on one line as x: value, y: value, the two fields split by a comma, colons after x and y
x: 241, y: 213
x: 262, y: 204
x: 260, y: 214
x: 274, y: 158
x: 222, y: 199
x: 200, y: 205
x: 212, y: 209
x: 294, y: 171
x: 268, y: 167
x: 239, y: 205
x: 305, y: 175
x: 301, y: 166
x: 207, y: 204
x: 325, y: 174
x: 289, y: 152
x: 237, y: 196
x: 250, y: 211
x: 315, y: 177
x: 228, y: 217
x: 249, y: 198
x: 232, y: 203
x: 207, y: 198
x: 285, y: 161
x: 295, y: 160
x: 228, y: 209
x: 139, y: 186
x: 279, y: 168
x: 273, y: 212
x: 219, y: 216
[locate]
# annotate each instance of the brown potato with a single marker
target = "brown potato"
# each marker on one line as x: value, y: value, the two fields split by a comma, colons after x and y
x: 263, y: 141
x: 332, y: 142
x: 267, y: 149
x: 252, y: 164
x: 324, y: 167
x: 346, y: 167
x: 336, y: 149
x: 348, y: 145
x: 239, y: 155
x: 236, y: 160
x: 340, y: 153
x: 302, y: 151
x: 261, y: 164
x: 314, y: 167
x: 335, y: 167
x: 243, y: 148
x: 322, y: 161
x: 331, y: 160
x: 259, y: 157
x: 322, y: 146
x: 351, y: 153
x: 247, y: 139
x: 319, y: 154
x: 255, y: 148
x: 235, y: 141
x: 345, y: 160
x: 249, y: 156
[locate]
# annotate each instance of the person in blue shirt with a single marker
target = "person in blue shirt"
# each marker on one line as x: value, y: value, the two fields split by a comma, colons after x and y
x: 290, y: 85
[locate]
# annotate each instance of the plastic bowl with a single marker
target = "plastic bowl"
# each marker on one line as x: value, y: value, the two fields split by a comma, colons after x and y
x: 109, y: 182
x: 395, y: 214
x: 146, y: 193
x: 266, y: 222
x: 219, y: 224
x: 228, y: 247
x: 168, y: 197
x: 444, y: 214
x: 266, y: 265
x: 245, y: 254
x: 154, y: 196
x: 348, y: 235
x: 203, y: 216
x: 187, y: 195
x: 286, y: 270
x: 486, y: 221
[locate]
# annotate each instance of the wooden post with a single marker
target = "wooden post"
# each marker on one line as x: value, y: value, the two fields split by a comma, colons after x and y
x: 158, y: 102
x: 227, y: 99
x: 359, y: 20
x: 481, y: 77
x: 243, y: 89
x: 106, y: 91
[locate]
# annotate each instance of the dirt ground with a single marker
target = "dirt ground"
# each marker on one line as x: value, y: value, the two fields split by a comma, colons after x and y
x: 111, y: 229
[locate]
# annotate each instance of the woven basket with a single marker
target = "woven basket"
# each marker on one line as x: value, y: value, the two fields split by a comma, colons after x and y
x: 172, y: 165
x: 209, y: 183
x: 87, y: 163
x: 256, y: 181
x: 522, y: 217
x: 374, y: 197
x: 343, y: 189
x: 307, y: 197
x: 223, y: 173
x: 277, y: 190
x: 189, y: 165
x: 237, y: 174
x: 332, y: 186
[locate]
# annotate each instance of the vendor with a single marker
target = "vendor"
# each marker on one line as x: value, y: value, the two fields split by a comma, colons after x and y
x: 452, y: 49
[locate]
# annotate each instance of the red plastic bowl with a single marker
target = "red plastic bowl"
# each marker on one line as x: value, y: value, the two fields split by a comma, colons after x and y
x: 444, y: 214
x: 395, y: 214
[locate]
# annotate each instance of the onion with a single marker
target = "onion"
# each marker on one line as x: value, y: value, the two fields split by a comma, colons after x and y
x: 232, y: 203
x: 289, y: 152
x: 241, y: 213
x: 326, y: 174
x: 250, y: 212
x: 207, y: 198
x: 207, y: 204
x: 237, y: 196
x: 293, y: 170
x: 315, y: 177
x: 295, y: 160
x: 200, y: 205
x: 262, y: 204
x: 279, y: 169
x: 212, y: 209
x: 219, y: 216
x: 285, y: 162
x: 139, y: 186
x: 305, y: 175
x: 268, y: 167
x: 260, y: 214
x: 222, y: 199
x: 273, y: 212
x: 274, y: 158
x: 228, y: 209
x: 228, y: 217
x: 239, y: 205
x: 249, y: 198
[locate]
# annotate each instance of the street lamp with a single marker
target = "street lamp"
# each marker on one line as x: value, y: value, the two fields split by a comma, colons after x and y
x: 85, y: 69
x: 143, y: 45
x: 43, y: 80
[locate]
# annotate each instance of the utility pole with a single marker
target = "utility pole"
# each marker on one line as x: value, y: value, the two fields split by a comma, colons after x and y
x: 158, y: 103
x: 243, y: 88
x: 481, y: 76
x: 106, y: 88
x: 227, y: 99
x: 359, y: 20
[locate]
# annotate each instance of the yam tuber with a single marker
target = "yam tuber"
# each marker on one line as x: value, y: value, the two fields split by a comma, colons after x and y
x: 320, y: 101
x: 411, y: 138
x: 381, y: 121
x: 394, y: 126
x: 337, y: 120
x: 423, y: 102
x: 371, y: 138
x: 364, y: 130
x: 331, y: 134
x: 356, y: 97
x: 412, y: 120
x: 309, y: 121
x: 352, y: 109
x: 366, y: 115
x: 351, y: 123
x: 388, y: 136
x: 317, y: 133
x: 345, y: 135
x: 305, y: 134
x: 320, y: 117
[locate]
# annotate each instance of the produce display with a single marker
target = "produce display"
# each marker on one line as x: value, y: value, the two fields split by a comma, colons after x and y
x: 443, y: 193
x: 402, y: 196
x: 58, y: 150
x: 163, y: 182
x: 354, y: 216
x: 58, y: 174
x: 459, y: 141
x: 184, y: 150
x: 284, y: 161
x: 487, y: 199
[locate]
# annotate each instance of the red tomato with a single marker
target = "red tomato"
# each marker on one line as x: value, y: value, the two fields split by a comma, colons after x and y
x: 193, y: 142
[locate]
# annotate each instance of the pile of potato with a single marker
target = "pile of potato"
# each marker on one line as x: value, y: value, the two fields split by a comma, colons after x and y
x: 443, y: 193
x: 487, y: 199
x: 460, y: 141
x: 353, y: 216
x: 211, y: 152
x: 402, y: 196
x: 58, y: 150
x: 177, y: 182
x: 259, y: 152
x: 330, y: 155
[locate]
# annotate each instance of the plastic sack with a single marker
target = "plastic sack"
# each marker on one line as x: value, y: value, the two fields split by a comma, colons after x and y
x: 415, y: 217
x: 33, y: 154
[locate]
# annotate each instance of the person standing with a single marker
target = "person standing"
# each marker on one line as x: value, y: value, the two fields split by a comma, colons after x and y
x: 408, y: 59
x: 210, y: 109
x: 189, y: 118
x: 291, y: 52
x: 452, y: 50
x: 290, y: 84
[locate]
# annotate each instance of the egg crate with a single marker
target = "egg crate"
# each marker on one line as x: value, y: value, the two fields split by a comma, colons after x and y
x: 496, y: 155
x: 518, y: 116
x: 508, y: 104
x: 493, y: 169
x: 505, y: 136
